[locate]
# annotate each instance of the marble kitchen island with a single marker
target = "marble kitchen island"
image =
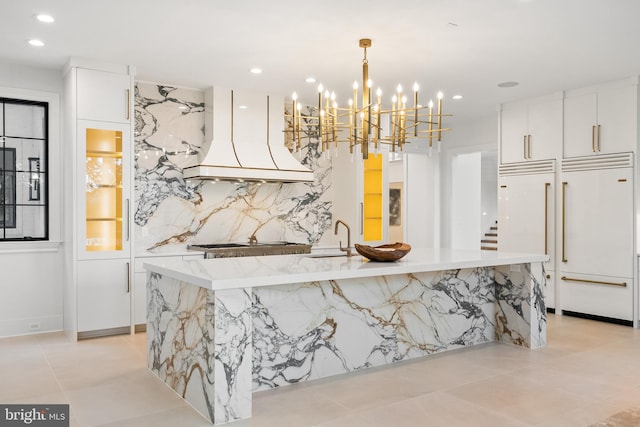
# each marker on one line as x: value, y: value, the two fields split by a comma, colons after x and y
x: 220, y: 329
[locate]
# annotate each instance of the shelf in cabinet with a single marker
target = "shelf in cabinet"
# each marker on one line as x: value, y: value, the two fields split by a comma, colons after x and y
x: 103, y: 219
x: 117, y: 154
x: 372, y: 217
x: 109, y: 186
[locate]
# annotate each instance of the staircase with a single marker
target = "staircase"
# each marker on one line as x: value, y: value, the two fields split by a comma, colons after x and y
x: 490, y: 240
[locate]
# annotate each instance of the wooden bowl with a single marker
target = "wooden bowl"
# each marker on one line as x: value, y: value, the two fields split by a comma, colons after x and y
x: 384, y: 253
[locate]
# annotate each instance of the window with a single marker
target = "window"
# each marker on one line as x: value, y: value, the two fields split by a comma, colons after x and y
x: 23, y: 170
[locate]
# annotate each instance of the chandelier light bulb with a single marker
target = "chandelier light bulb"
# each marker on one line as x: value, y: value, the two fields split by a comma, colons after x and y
x: 294, y: 96
x: 333, y: 96
x: 416, y: 87
x: 431, y: 103
x: 379, y: 92
x: 350, y: 102
x: 355, y: 85
x: 326, y: 93
x: 320, y: 88
x: 369, y: 83
x: 440, y: 95
x: 394, y: 98
x: 399, y: 89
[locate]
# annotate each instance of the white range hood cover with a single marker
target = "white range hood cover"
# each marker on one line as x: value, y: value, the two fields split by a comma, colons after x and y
x: 247, y: 140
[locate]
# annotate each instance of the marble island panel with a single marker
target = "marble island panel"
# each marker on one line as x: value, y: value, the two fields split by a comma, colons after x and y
x: 237, y: 332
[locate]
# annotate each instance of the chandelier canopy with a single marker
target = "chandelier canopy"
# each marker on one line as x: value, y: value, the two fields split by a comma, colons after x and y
x: 366, y: 123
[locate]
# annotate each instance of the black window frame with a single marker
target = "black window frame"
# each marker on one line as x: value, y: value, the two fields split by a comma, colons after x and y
x: 4, y: 172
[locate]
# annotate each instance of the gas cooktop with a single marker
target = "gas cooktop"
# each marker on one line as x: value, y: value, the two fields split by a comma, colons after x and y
x: 226, y: 250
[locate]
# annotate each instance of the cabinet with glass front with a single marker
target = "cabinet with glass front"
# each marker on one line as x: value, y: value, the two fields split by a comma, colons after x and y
x: 104, y: 189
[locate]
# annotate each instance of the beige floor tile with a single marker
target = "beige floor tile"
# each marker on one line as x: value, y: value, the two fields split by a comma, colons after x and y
x: 519, y: 398
x: 132, y: 395
x: 183, y: 416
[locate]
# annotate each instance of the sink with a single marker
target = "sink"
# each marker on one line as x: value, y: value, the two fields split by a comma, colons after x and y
x: 327, y: 255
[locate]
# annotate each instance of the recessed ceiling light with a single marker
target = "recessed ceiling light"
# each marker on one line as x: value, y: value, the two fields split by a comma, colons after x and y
x: 243, y: 107
x: 508, y: 84
x: 310, y: 80
x: 36, y: 42
x: 256, y: 70
x: 44, y: 18
x: 456, y: 97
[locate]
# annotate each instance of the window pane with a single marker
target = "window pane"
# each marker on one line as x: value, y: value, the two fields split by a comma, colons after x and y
x: 26, y: 149
x: 29, y: 223
x: 25, y: 121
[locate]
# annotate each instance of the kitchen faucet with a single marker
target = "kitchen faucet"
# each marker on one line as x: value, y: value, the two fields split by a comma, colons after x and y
x: 253, y: 240
x: 348, y: 248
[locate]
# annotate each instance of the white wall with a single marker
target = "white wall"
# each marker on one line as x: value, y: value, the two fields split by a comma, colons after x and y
x: 31, y: 278
x: 465, y: 201
x: 473, y: 136
x: 421, y: 190
x: 489, y: 189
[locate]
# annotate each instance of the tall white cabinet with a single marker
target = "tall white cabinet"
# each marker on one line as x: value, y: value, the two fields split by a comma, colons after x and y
x: 578, y: 206
x: 98, y: 237
x: 530, y: 146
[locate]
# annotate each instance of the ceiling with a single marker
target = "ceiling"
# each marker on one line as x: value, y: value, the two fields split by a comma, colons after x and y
x: 461, y: 47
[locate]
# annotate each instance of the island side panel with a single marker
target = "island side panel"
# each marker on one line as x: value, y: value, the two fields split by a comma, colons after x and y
x: 317, y: 329
x: 199, y: 344
x: 521, y: 315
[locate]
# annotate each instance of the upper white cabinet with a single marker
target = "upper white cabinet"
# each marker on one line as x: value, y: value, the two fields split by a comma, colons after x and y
x: 601, y: 120
x: 103, y: 95
x: 531, y: 130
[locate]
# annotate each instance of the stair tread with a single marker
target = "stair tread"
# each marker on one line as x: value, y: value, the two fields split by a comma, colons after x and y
x: 488, y: 241
x: 486, y: 248
x: 491, y: 234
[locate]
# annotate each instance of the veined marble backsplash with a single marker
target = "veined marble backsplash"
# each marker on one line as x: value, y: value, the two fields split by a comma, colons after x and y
x: 171, y: 212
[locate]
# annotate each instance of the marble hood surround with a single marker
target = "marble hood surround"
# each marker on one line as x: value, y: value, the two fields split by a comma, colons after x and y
x: 245, y: 130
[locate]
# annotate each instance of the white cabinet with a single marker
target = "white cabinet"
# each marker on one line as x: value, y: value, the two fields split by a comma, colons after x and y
x: 98, y: 242
x: 104, y: 96
x: 526, y: 217
x: 526, y: 213
x: 531, y: 130
x: 596, y: 241
x: 597, y: 217
x: 601, y: 120
x: 104, y: 297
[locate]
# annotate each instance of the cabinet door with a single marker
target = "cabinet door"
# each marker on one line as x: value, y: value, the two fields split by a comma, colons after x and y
x: 597, y: 230
x: 103, y: 190
x: 617, y: 120
x: 579, y: 121
x: 545, y: 130
x: 513, y: 126
x: 103, y: 96
x: 526, y: 214
x: 104, y: 297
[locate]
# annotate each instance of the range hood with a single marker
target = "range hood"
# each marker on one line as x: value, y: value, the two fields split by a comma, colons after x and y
x: 245, y: 131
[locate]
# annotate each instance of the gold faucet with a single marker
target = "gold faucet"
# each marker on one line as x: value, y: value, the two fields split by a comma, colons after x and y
x: 348, y: 248
x: 253, y: 240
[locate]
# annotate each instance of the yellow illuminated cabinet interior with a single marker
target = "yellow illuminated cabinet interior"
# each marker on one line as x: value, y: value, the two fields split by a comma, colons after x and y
x: 104, y: 210
x: 373, y: 201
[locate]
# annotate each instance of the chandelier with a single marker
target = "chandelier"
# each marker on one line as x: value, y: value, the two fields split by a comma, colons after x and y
x: 366, y: 123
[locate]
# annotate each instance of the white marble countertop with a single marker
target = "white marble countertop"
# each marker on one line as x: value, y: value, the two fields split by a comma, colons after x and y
x: 244, y: 272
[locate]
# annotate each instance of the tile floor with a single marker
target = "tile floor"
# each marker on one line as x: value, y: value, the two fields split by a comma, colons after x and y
x: 588, y: 375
